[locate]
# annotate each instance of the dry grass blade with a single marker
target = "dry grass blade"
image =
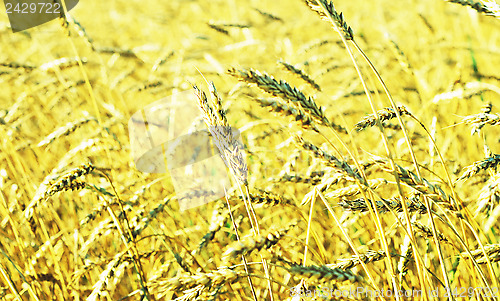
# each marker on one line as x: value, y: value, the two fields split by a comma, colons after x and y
x: 406, y: 259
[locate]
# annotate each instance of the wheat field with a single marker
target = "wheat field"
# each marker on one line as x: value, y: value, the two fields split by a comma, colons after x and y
x: 365, y: 167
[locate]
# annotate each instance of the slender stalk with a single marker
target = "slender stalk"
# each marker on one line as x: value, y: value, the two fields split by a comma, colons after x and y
x: 351, y: 244
x: 131, y: 248
x: 415, y: 162
x: 367, y: 92
x: 308, y: 233
x: 245, y: 264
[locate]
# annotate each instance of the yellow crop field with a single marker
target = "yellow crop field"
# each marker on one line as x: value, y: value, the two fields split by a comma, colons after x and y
x: 250, y: 150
